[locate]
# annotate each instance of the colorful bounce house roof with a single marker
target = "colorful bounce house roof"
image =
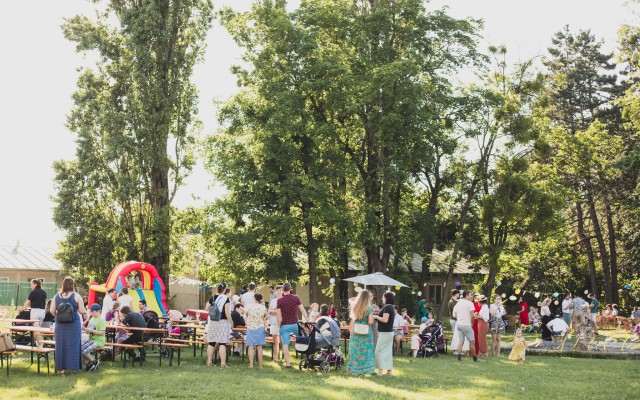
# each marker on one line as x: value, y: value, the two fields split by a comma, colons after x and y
x: 151, y: 289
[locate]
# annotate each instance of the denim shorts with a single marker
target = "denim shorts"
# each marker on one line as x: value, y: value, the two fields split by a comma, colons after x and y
x: 286, y: 331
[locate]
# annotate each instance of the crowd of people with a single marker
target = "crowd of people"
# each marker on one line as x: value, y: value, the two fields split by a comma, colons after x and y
x: 376, y: 333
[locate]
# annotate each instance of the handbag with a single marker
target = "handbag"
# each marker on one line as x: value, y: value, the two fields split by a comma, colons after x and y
x: 6, y: 343
x: 360, y: 329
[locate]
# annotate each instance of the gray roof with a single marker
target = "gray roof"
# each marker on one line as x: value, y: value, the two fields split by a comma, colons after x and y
x: 439, y: 264
x: 28, y: 258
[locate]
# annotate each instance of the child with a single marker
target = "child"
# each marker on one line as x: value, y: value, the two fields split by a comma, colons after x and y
x: 95, y: 330
x: 313, y: 312
x: 415, y: 342
x: 519, y: 348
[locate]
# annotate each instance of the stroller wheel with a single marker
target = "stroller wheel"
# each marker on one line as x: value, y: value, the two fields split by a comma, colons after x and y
x: 325, y: 367
x: 304, y: 365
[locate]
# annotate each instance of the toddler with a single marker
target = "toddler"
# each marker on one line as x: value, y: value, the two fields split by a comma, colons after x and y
x: 519, y: 348
x: 415, y: 342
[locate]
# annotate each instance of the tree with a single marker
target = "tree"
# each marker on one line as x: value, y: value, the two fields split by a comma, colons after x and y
x: 580, y: 90
x: 134, y: 119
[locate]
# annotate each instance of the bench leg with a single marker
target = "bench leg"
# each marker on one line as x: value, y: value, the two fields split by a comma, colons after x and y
x: 171, y: 356
x: 179, y: 352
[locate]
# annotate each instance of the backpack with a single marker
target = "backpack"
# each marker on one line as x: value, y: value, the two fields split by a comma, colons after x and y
x: 214, y: 311
x: 65, y: 313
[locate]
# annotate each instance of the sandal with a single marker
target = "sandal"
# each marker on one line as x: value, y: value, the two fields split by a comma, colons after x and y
x: 224, y: 366
x: 209, y: 364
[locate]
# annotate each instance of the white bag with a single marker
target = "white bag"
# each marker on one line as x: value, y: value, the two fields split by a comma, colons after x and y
x: 361, y: 329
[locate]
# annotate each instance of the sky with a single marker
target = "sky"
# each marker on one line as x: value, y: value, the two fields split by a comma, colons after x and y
x: 38, y: 71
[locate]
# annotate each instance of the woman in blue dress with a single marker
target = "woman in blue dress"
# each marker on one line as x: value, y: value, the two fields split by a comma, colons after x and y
x: 68, y: 335
x: 361, y: 349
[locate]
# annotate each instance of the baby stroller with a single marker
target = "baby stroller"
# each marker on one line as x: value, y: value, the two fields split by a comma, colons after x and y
x: 152, y: 321
x: 321, y: 346
x: 432, y: 340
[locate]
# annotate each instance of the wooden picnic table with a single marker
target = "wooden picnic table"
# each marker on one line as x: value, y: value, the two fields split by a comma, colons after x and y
x: 18, y: 321
x: 32, y: 330
x: 195, y: 328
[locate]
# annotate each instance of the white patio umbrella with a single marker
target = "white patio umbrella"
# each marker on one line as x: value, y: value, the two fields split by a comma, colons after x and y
x: 376, y: 279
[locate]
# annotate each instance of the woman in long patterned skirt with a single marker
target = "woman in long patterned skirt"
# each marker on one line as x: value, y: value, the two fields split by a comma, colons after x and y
x: 361, y: 350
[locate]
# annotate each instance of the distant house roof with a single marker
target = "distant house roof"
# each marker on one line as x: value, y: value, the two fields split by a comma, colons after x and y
x: 439, y: 264
x: 28, y: 258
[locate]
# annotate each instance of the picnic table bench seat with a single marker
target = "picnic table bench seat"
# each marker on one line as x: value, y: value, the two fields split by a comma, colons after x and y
x: 41, y: 353
x: 123, y: 354
x: 6, y: 356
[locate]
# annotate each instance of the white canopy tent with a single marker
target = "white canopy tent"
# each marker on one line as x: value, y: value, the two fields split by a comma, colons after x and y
x: 376, y: 279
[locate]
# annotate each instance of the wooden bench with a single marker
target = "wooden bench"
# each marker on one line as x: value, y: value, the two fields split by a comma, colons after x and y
x: 123, y: 353
x: 171, y: 346
x: 6, y: 356
x: 41, y: 352
x: 188, y: 342
x: 48, y: 343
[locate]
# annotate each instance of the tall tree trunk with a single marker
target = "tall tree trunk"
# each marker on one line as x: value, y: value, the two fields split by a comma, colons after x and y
x: 586, y: 243
x: 602, y: 248
x: 613, y: 254
x: 161, y: 221
x: 311, y: 255
x: 458, y: 243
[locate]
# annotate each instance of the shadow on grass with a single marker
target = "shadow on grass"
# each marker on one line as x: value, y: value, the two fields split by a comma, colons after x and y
x: 442, y: 377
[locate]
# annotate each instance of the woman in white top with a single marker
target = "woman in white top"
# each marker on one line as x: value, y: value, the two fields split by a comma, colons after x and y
x: 546, y: 317
x: 483, y: 326
x: 496, y: 311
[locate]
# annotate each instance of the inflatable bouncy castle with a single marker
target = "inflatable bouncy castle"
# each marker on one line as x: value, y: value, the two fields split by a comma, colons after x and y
x: 151, y: 289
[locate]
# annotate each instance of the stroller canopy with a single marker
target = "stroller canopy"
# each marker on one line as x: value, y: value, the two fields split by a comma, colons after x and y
x: 328, y: 332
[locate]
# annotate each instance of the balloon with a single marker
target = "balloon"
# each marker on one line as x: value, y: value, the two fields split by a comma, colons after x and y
x: 358, y: 289
x: 517, y: 291
x: 586, y: 291
x: 457, y: 283
x: 332, y: 280
x: 419, y: 293
x: 504, y: 295
x: 414, y: 292
x: 556, y: 302
x: 397, y: 287
x: 512, y: 298
x: 537, y: 294
x: 556, y: 294
x: 627, y: 286
x: 498, y: 283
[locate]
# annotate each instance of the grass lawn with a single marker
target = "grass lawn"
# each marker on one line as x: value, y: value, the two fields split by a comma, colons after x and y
x: 541, y: 377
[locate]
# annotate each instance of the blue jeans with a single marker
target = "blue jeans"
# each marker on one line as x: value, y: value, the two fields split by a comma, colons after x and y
x: 567, y: 318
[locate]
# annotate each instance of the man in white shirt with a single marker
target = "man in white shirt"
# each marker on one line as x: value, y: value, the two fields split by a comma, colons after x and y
x: 248, y: 298
x: 464, y: 313
x: 557, y: 326
x: 567, y: 308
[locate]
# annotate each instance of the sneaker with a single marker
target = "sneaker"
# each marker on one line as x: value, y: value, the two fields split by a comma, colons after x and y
x: 88, y: 366
x: 94, y: 365
x: 475, y: 358
x: 459, y: 357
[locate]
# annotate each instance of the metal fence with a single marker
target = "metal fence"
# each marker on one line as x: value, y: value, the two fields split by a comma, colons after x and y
x: 17, y: 292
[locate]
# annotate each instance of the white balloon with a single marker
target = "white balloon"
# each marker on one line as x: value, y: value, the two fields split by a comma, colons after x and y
x: 419, y: 293
x: 537, y: 294
x: 512, y: 298
x: 332, y: 280
x: 358, y: 289
x: 586, y: 292
x: 504, y: 295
